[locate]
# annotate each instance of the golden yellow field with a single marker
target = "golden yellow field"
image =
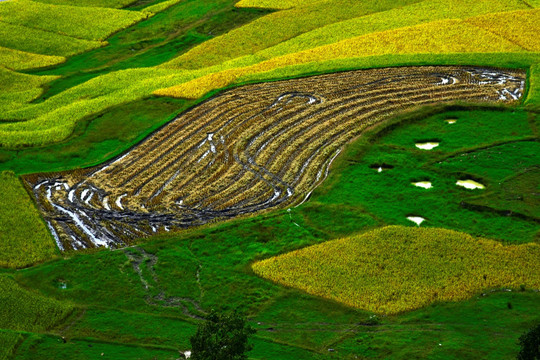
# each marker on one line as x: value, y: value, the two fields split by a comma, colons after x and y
x: 396, y: 268
x: 439, y: 37
x: 520, y: 27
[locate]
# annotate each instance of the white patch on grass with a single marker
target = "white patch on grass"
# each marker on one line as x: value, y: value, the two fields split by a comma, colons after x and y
x: 427, y: 145
x: 470, y: 184
x: 416, y: 219
x: 423, y: 184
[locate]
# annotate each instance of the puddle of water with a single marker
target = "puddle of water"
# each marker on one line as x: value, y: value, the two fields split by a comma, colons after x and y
x: 416, y: 219
x: 427, y: 145
x: 470, y: 184
x: 423, y: 184
x: 450, y: 121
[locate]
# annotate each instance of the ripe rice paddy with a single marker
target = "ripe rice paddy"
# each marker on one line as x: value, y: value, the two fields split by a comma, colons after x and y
x: 396, y: 269
x: 246, y: 150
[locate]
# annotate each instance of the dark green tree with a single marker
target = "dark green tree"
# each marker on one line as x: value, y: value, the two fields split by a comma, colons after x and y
x: 530, y: 344
x: 223, y: 336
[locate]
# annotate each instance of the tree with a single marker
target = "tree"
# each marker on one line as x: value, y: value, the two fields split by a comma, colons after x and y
x: 530, y: 344
x: 221, y: 337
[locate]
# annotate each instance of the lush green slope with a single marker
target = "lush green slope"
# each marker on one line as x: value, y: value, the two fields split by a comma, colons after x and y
x: 471, y: 148
x: 24, y: 238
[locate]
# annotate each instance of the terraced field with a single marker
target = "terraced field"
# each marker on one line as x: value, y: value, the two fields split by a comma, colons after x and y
x: 246, y: 150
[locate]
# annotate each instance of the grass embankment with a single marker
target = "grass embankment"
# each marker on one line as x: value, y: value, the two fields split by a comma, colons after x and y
x: 395, y: 269
x: 17, y: 89
x: 24, y: 238
x: 96, y: 138
x: 80, y: 22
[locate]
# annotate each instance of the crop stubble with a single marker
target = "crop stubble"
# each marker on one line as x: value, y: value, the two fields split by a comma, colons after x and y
x: 245, y: 150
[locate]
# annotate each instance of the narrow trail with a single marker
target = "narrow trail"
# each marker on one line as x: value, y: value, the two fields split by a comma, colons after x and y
x: 143, y: 263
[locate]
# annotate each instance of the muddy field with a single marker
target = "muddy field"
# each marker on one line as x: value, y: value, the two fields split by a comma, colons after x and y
x: 245, y: 150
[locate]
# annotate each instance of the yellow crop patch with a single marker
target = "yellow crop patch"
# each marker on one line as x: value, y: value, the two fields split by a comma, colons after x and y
x: 21, y: 60
x: 441, y: 37
x: 398, y: 268
x: 24, y: 239
x: 520, y: 27
x: 275, y: 28
x: 399, y: 17
x: 89, y: 23
x: 273, y: 4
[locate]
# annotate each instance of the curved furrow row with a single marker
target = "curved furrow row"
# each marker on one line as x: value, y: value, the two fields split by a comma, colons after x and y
x: 246, y: 150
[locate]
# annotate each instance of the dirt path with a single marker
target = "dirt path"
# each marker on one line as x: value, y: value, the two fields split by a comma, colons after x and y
x: 143, y: 263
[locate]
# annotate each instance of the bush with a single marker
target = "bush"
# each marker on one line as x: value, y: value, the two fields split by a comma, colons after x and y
x: 530, y: 344
x: 222, y: 337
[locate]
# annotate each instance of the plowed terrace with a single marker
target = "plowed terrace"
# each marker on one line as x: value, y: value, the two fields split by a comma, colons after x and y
x: 245, y: 150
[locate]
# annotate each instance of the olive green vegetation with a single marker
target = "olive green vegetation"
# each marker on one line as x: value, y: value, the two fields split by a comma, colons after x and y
x: 97, y: 138
x: 8, y: 341
x: 24, y: 238
x: 25, y: 310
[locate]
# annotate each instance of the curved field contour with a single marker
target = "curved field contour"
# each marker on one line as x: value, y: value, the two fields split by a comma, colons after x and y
x: 245, y: 150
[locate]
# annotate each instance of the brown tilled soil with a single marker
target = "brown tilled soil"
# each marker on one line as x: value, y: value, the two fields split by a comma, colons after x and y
x: 245, y: 150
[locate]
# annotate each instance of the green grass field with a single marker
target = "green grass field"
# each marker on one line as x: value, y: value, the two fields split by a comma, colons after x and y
x: 83, y: 81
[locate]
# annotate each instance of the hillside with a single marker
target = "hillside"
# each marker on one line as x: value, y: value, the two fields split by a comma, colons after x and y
x: 359, y: 178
